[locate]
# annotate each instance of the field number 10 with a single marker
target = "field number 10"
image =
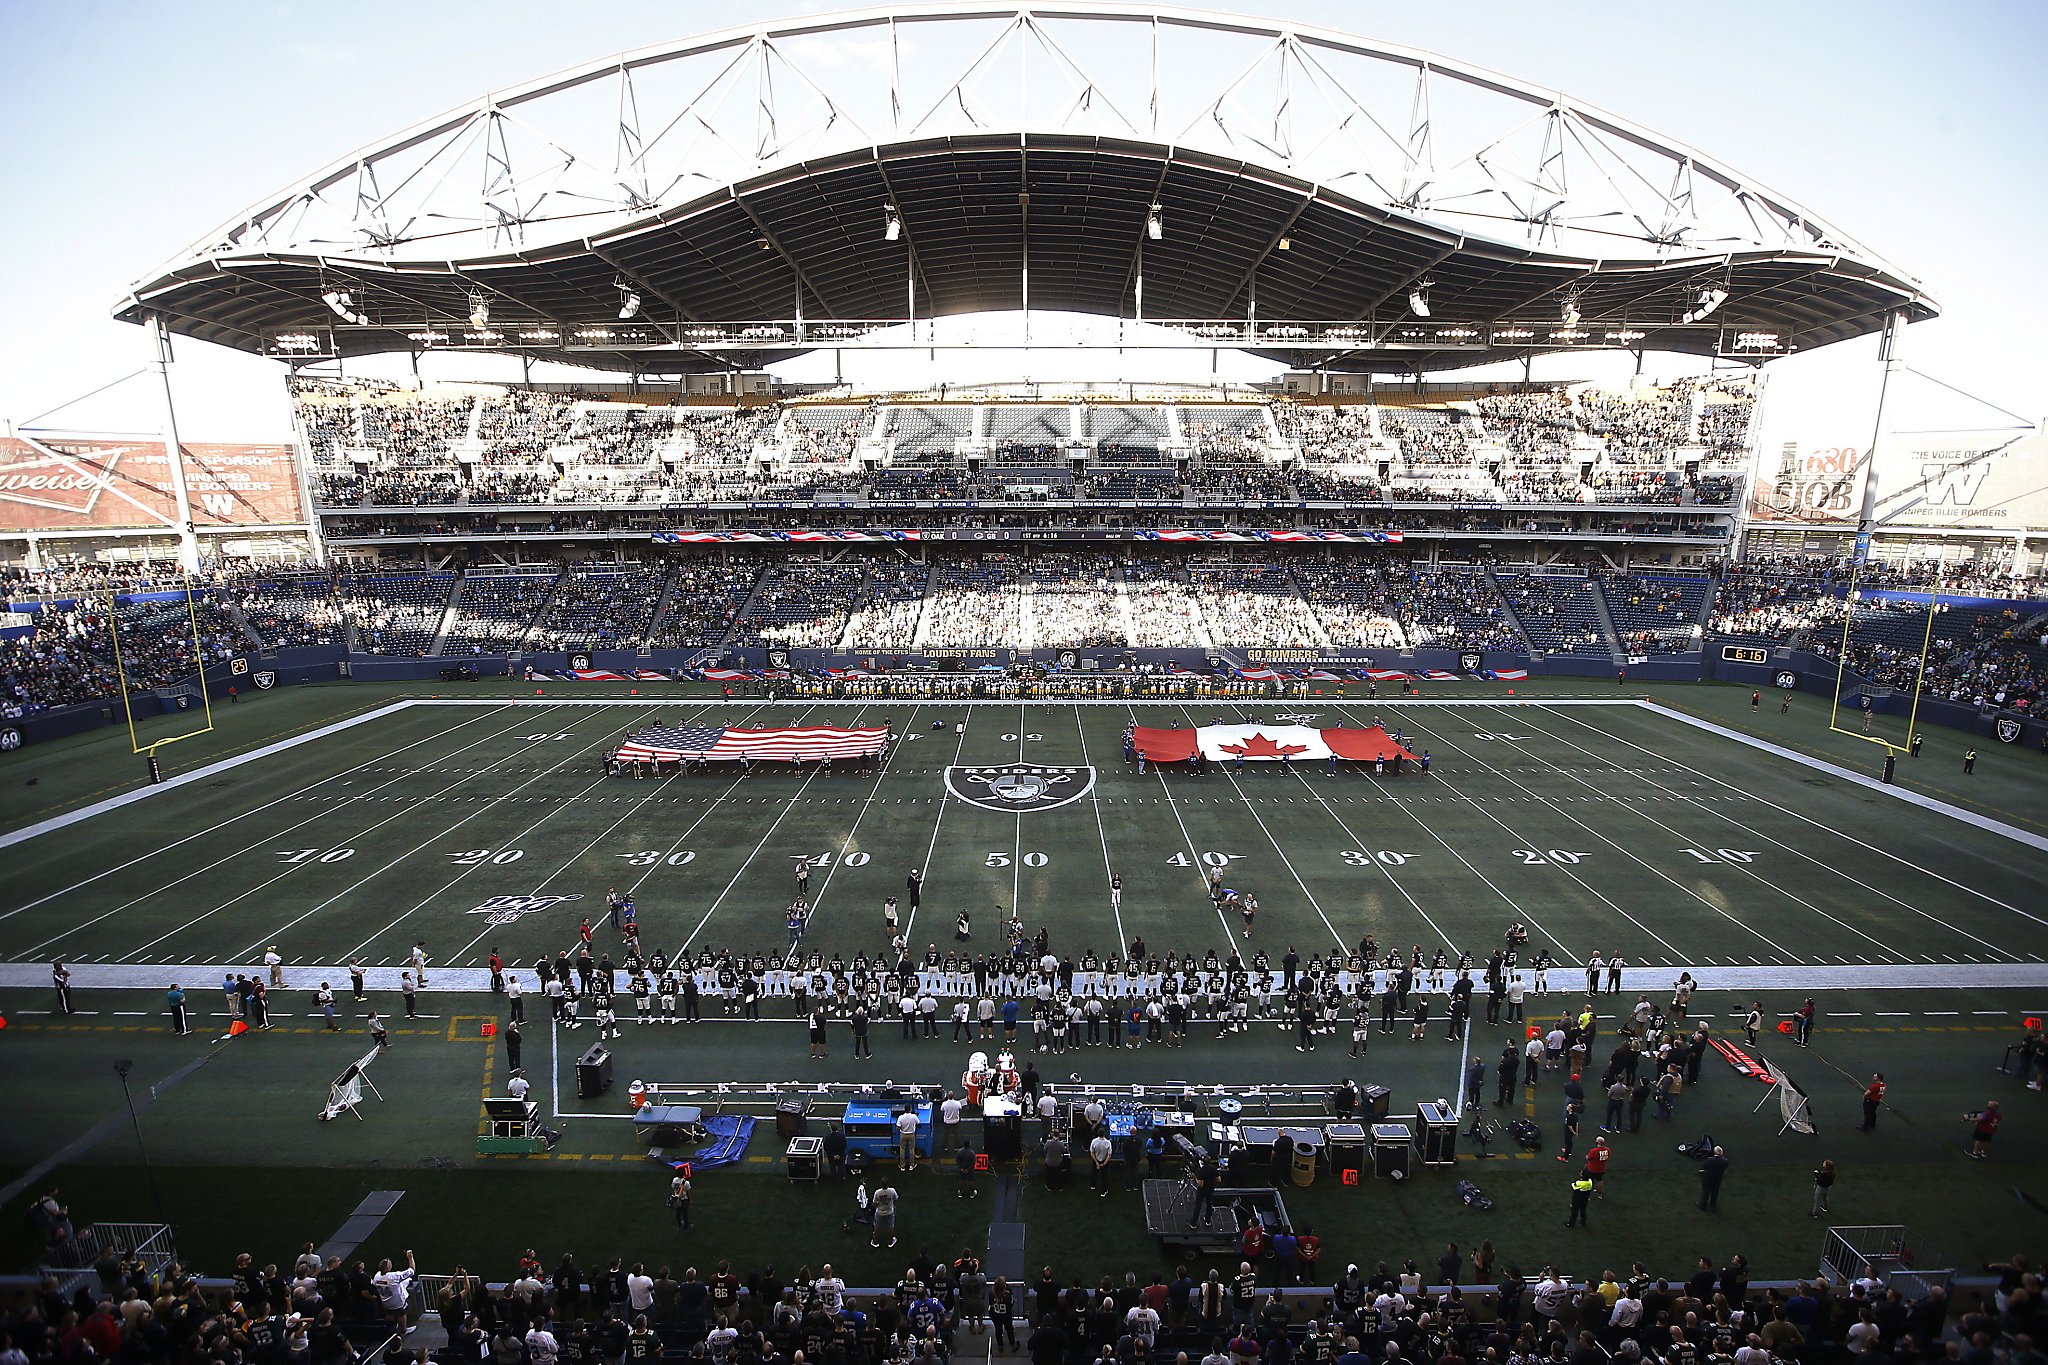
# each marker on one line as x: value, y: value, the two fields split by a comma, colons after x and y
x: 1722, y: 855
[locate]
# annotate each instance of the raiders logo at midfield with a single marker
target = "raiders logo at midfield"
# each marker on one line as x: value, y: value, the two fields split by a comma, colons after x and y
x: 505, y: 909
x: 1018, y: 787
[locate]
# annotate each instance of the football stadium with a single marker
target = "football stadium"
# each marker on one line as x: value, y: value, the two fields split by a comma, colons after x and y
x: 1114, y: 684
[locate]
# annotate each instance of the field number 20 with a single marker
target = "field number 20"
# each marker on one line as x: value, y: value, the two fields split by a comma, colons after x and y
x: 1537, y: 858
x: 477, y: 857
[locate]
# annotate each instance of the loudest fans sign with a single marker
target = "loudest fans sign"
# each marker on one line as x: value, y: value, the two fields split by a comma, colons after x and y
x: 77, y: 484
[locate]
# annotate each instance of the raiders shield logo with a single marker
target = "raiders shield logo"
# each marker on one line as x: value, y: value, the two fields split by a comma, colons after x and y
x: 778, y: 658
x: 266, y: 680
x: 2009, y: 729
x: 1470, y: 661
x: 505, y: 909
x: 1786, y: 679
x: 1017, y: 787
x: 10, y: 740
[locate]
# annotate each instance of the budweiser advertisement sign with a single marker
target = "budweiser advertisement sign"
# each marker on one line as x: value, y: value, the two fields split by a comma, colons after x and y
x: 62, y: 485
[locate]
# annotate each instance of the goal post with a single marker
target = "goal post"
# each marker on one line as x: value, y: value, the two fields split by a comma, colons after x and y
x: 185, y: 691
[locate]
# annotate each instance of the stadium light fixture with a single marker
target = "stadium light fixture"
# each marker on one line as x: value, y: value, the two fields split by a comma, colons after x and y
x: 892, y: 223
x: 479, y: 311
x: 1418, y: 299
x: 1155, y: 222
x: 629, y: 300
x: 1708, y: 301
x: 343, y: 305
x: 1569, y: 314
x: 1285, y: 244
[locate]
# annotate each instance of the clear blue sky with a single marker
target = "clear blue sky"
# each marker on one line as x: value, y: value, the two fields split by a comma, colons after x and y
x: 135, y: 128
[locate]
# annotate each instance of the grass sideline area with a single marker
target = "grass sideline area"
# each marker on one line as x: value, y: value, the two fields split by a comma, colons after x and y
x: 1838, y: 876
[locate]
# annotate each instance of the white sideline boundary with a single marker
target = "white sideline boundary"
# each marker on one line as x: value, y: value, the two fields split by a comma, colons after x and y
x: 202, y: 979
x: 97, y: 808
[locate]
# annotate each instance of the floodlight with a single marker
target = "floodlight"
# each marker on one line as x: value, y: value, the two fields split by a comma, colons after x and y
x: 1708, y: 301
x: 1155, y: 223
x: 1418, y: 300
x: 1569, y: 314
x: 892, y: 223
x: 479, y: 311
x: 629, y: 300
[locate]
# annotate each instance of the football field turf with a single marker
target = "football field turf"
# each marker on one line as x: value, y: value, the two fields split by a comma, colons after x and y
x: 1607, y: 828
x: 1686, y: 835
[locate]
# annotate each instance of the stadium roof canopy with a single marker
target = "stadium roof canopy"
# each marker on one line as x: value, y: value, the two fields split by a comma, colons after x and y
x: 1313, y: 197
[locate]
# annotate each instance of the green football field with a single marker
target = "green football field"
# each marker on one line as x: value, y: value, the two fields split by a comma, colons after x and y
x: 1682, y: 834
x: 1607, y: 828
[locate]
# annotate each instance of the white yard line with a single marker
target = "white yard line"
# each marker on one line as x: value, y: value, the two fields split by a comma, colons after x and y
x: 1744, y: 869
x: 489, y: 806
x: 101, y: 807
x: 1288, y: 862
x: 1794, y: 850
x: 575, y: 857
x: 322, y: 814
x: 1565, y: 868
x: 846, y: 844
x: 1659, y: 873
x: 1194, y: 854
x: 1108, y: 869
x: 1423, y: 825
x: 1807, y: 819
x: 945, y: 800
x: 766, y: 835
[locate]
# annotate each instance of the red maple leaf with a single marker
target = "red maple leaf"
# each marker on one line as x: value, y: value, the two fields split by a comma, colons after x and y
x: 1258, y: 746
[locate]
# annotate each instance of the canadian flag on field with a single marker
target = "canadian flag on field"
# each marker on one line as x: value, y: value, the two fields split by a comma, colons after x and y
x: 1265, y: 743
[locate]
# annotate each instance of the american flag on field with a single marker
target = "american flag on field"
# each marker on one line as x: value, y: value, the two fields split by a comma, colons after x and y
x: 725, y: 674
x: 1505, y: 674
x: 802, y: 744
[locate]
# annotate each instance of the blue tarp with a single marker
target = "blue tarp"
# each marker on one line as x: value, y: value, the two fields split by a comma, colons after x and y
x: 729, y: 1136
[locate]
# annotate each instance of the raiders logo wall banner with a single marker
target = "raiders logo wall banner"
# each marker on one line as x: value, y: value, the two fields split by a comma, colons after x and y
x: 1470, y: 661
x: 266, y: 680
x: 1017, y: 787
x: 2009, y: 729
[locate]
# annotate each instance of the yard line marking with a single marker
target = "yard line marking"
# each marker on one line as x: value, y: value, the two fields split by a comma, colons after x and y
x: 766, y: 835
x: 1749, y: 872
x: 1943, y: 1013
x: 1108, y: 871
x: 1288, y: 862
x: 846, y: 844
x: 484, y: 809
x: 1194, y: 854
x: 1587, y: 886
x: 7, y: 840
x: 1794, y: 851
x: 1365, y: 846
x: 1752, y: 742
x: 959, y: 746
x: 251, y: 847
x: 573, y: 858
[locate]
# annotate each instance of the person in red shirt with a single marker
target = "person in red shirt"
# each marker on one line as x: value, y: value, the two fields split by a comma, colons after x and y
x: 1987, y: 1120
x: 1873, y: 1096
x: 1254, y: 1240
x: 1309, y: 1251
x: 1597, y: 1157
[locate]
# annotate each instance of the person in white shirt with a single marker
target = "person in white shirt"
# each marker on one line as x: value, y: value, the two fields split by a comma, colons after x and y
x: 275, y: 962
x: 518, y: 1085
x: 640, y: 1289
x: 1143, y: 1325
x: 719, y: 1341
x: 1099, y: 1152
x: 394, y: 1288
x: 949, y: 1123
x: 831, y: 1290
x: 541, y: 1346
x: 906, y: 1140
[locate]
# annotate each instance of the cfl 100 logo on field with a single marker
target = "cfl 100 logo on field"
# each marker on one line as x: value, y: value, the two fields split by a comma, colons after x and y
x: 506, y: 909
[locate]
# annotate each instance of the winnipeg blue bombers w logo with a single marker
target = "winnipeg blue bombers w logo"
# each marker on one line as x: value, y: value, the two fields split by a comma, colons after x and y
x: 505, y: 909
x: 1018, y: 787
